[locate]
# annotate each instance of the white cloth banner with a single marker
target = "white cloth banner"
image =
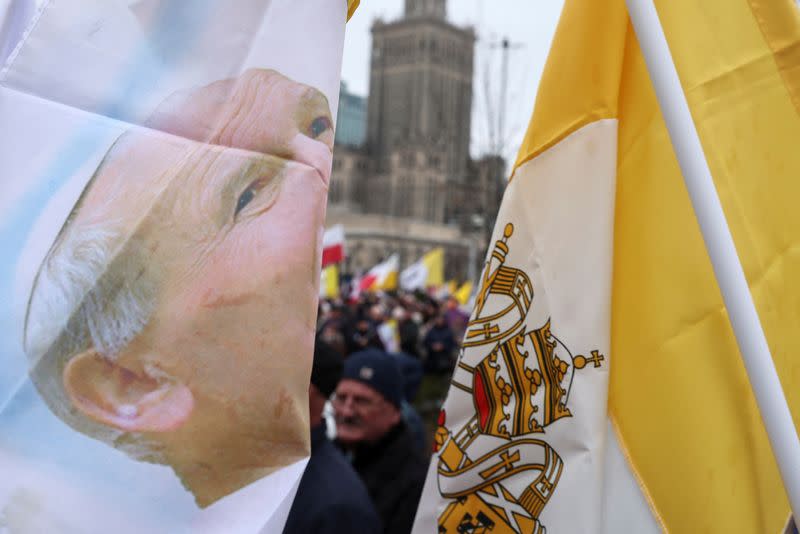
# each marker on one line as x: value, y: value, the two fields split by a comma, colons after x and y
x: 165, y: 164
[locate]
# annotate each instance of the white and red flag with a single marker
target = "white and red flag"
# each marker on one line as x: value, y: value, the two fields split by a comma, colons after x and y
x: 333, y: 245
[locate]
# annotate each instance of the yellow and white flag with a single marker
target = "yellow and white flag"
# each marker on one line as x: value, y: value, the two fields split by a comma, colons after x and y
x: 599, y: 388
x: 381, y: 277
x: 425, y: 273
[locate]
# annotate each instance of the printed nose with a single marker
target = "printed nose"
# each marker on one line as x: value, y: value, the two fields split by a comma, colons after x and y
x: 314, y: 154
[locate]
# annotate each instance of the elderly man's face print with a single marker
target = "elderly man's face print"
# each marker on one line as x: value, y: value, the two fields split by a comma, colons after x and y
x: 174, y: 316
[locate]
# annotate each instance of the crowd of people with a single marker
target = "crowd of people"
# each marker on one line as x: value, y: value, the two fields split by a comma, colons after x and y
x: 370, y: 423
x: 417, y: 324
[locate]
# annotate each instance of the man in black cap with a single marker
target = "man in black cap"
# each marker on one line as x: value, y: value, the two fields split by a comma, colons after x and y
x: 331, y: 498
x: 370, y: 425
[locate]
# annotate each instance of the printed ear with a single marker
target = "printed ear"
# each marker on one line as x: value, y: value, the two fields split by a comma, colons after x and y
x: 133, y: 401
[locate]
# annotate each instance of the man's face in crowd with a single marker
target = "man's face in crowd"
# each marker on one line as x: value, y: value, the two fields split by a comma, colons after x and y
x: 363, y: 415
x: 376, y: 314
x: 225, y: 223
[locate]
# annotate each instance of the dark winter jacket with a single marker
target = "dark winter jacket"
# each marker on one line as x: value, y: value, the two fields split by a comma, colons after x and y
x: 331, y: 498
x: 394, y: 472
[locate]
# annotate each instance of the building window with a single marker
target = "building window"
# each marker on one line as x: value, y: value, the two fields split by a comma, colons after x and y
x: 335, y: 191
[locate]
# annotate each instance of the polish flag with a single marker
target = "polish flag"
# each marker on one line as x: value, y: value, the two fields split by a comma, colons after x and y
x: 333, y: 245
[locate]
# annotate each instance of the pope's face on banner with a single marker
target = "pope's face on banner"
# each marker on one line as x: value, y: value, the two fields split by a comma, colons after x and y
x: 191, y: 343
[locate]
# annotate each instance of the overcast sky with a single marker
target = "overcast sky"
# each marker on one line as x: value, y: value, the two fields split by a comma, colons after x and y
x: 527, y: 23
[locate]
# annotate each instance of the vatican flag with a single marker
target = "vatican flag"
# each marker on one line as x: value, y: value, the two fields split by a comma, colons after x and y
x: 382, y: 277
x: 599, y: 388
x: 426, y: 273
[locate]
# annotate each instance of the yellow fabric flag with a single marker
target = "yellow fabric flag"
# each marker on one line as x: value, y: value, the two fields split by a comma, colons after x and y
x: 329, y: 282
x: 463, y: 293
x: 389, y: 283
x: 677, y: 380
x: 563, y: 416
x: 434, y: 263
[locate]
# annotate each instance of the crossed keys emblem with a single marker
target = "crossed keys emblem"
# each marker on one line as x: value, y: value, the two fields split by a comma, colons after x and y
x: 504, y: 281
x: 519, y: 387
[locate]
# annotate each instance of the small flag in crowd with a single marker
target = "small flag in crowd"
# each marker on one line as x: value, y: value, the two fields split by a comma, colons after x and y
x: 333, y: 245
x: 329, y: 282
x: 425, y: 273
x: 382, y: 277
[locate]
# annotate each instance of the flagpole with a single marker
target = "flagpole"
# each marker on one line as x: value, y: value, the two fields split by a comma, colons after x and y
x: 719, y: 243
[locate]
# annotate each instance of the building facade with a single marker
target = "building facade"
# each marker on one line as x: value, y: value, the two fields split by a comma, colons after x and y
x: 411, y: 184
x: 421, y: 87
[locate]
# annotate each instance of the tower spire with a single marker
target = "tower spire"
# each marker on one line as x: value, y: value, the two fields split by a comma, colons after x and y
x: 426, y: 8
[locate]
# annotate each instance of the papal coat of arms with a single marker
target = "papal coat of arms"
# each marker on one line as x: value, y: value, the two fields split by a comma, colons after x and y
x: 497, y: 472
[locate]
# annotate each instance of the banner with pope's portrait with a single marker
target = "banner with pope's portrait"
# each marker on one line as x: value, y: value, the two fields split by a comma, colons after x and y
x: 164, y: 169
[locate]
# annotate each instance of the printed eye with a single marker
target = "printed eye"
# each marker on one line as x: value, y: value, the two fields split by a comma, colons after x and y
x: 319, y: 126
x: 259, y: 195
x: 244, y: 199
x: 250, y: 193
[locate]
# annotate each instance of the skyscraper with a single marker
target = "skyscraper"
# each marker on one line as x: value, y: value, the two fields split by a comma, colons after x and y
x: 412, y: 185
x: 421, y: 86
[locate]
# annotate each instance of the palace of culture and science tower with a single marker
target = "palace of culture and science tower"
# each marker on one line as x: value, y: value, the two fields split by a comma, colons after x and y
x: 403, y: 180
